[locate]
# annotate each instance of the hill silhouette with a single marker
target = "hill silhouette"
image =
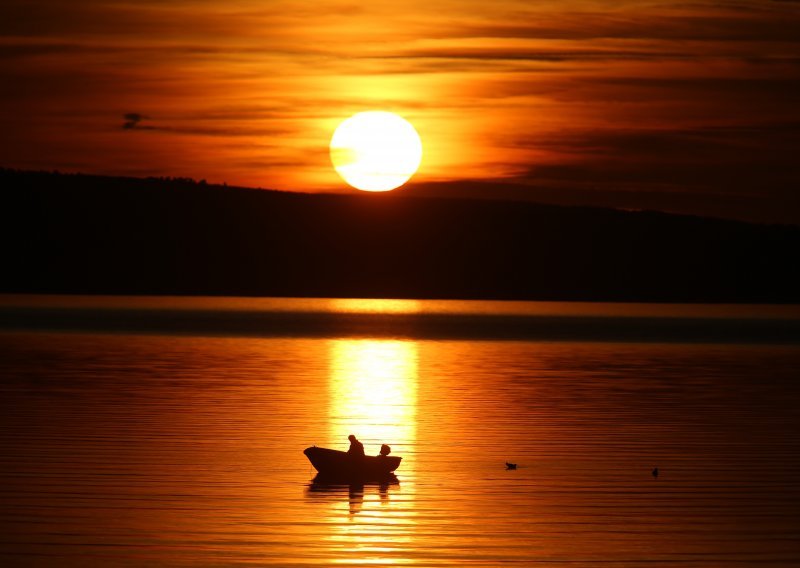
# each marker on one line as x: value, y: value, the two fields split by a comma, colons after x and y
x: 109, y: 235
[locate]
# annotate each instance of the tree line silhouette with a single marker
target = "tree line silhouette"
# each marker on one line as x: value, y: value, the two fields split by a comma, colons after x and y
x: 73, y: 233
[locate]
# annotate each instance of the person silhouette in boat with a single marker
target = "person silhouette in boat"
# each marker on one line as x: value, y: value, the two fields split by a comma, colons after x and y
x: 356, y: 448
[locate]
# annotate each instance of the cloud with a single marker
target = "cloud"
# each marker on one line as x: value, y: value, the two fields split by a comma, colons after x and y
x: 233, y: 125
x: 713, y: 22
x: 741, y: 160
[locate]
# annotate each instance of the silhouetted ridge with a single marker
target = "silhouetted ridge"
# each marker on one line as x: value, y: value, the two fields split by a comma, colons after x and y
x: 92, y: 234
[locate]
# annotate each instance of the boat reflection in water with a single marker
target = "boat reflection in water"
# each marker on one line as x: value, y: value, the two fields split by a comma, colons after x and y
x: 323, y: 489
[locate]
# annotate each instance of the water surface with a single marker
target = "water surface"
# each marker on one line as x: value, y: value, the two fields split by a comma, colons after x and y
x: 153, y: 447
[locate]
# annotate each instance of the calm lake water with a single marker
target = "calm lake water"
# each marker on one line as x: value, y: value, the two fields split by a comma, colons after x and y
x: 169, y: 432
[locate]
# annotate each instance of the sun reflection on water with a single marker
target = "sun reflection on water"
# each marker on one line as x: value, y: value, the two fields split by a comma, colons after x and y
x: 373, y: 394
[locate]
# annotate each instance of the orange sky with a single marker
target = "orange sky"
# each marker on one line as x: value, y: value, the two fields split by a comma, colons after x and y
x: 576, y: 101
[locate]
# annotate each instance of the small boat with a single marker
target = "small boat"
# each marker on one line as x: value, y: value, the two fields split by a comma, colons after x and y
x: 333, y: 464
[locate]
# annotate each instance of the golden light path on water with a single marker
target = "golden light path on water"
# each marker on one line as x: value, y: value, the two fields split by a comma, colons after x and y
x: 373, y: 394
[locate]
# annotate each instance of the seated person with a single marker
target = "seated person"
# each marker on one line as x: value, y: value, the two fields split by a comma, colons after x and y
x: 356, y: 447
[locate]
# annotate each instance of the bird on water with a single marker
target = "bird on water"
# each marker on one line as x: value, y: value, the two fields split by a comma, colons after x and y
x: 655, y: 472
x: 511, y: 465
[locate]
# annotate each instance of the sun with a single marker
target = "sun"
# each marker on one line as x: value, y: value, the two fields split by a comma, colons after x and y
x: 376, y: 150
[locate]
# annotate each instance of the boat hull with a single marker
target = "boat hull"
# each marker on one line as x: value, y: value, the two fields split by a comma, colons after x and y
x: 333, y: 464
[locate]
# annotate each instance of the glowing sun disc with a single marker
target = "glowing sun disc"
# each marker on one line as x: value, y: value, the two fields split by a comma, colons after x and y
x: 376, y: 150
